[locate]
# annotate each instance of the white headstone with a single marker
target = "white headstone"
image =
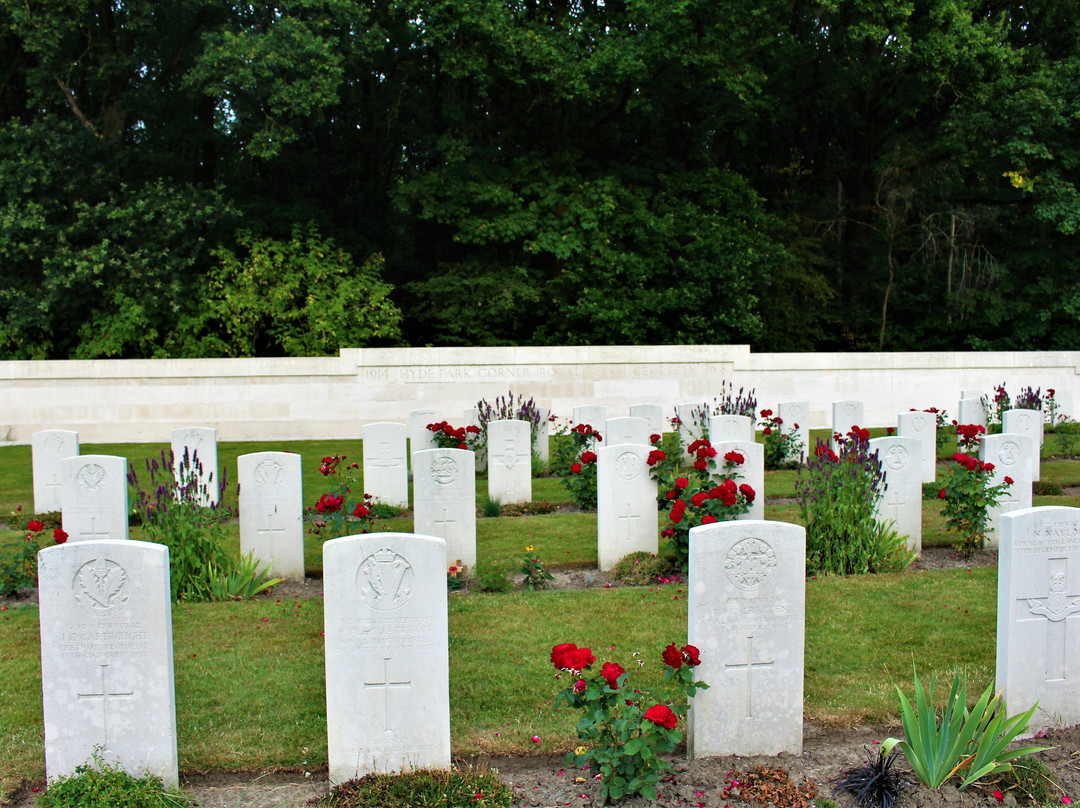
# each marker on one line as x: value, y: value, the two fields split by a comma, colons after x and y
x: 1029, y: 423
x: 1038, y: 608
x: 723, y: 428
x: 845, y: 415
x: 509, y: 446
x: 922, y: 426
x: 444, y: 500
x: 626, y: 430
x: 746, y: 616
x: 1012, y: 457
x: 48, y: 448
x: 901, y: 501
x: 654, y: 414
x: 625, y: 503
x: 94, y: 494
x: 272, y: 511
x: 976, y: 394
x: 796, y: 415
x: 540, y: 440
x: 386, y: 471
x: 420, y: 437
x: 592, y: 414
x: 199, y: 445
x: 106, y: 657
x: 472, y: 418
x: 387, y: 661
x: 751, y: 472
x: 971, y: 411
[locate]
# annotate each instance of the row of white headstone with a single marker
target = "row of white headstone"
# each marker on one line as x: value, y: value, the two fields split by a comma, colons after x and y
x: 107, y: 667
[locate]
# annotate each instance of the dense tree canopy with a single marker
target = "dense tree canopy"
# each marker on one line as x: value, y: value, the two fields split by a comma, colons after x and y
x: 195, y: 178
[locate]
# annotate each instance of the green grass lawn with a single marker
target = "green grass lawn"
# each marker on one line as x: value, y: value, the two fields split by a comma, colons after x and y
x: 250, y: 681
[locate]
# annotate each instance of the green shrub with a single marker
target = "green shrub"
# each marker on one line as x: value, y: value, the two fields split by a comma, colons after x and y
x: 1046, y: 488
x: 641, y: 568
x: 101, y: 785
x: 491, y: 577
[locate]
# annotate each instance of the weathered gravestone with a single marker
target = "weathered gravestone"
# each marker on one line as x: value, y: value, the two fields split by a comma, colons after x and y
x: 845, y: 415
x: 592, y: 414
x: 625, y: 503
x: 509, y: 445
x: 1012, y: 458
x: 387, y: 663
x: 971, y: 411
x: 386, y: 471
x: 106, y: 657
x: 653, y: 413
x: 272, y: 512
x: 923, y: 427
x: 751, y: 472
x: 94, y: 493
x: 48, y: 448
x: 795, y: 415
x: 1030, y: 424
x: 198, y: 444
x: 1038, y: 630
x: 723, y: 428
x: 444, y: 500
x: 420, y: 437
x: 901, y: 501
x: 746, y: 616
x: 626, y: 430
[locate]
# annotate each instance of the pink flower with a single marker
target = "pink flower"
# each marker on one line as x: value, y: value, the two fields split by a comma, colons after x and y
x: 997, y: 795
x: 1066, y: 800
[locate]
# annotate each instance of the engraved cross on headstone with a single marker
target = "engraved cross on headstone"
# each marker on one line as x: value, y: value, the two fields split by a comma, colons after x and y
x: 626, y: 520
x: 1055, y: 608
x: 105, y: 695
x: 445, y: 521
x: 269, y: 518
x: 895, y: 498
x: 511, y: 454
x: 386, y: 684
x: 749, y: 666
x: 92, y: 533
x: 386, y: 459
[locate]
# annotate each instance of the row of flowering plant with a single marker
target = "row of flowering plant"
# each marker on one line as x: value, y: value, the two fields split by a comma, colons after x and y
x: 581, y: 481
x: 623, y: 732
x: 338, y: 512
x: 451, y: 437
x: 694, y: 496
x: 782, y: 449
x: 969, y: 492
x: 18, y: 567
x: 838, y: 492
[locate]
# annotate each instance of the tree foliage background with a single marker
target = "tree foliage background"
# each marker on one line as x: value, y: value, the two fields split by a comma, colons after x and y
x: 192, y: 178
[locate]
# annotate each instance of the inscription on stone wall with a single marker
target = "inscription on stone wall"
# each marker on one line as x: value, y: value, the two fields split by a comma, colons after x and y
x: 434, y: 373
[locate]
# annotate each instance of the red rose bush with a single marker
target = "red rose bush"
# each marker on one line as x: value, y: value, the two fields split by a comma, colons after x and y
x: 333, y: 514
x: 969, y: 492
x: 624, y: 731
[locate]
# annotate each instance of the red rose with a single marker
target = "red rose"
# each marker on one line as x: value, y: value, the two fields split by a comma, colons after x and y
x: 891, y: 430
x: 580, y: 685
x: 708, y: 519
x: 576, y: 468
x: 654, y: 438
x: 667, y: 532
x: 1009, y: 481
x: 747, y: 492
x: 682, y: 482
x: 463, y: 446
x: 588, y: 457
x: 767, y: 430
x: 559, y: 652
x: 35, y: 526
x: 656, y: 456
x: 568, y: 656
x: 701, y: 464
x: 699, y: 498
x: 674, y: 494
x: 360, y: 511
x: 691, y: 655
x: 675, y: 516
x: 735, y: 457
x: 611, y: 673
x: 59, y: 536
x: 472, y: 430
x: 941, y: 494
x: 672, y: 656
x: 766, y: 413
x: 662, y: 716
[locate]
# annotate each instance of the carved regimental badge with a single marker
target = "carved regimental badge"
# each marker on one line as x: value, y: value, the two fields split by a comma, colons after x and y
x: 750, y: 564
x: 385, y: 580
x: 91, y: 476
x: 100, y: 587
